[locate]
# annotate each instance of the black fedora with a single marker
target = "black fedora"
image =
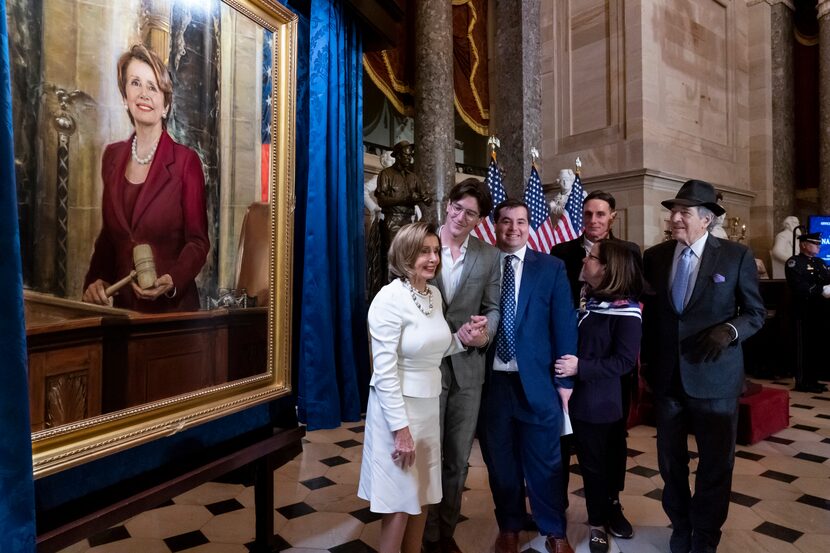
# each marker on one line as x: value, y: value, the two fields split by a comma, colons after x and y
x: 694, y: 193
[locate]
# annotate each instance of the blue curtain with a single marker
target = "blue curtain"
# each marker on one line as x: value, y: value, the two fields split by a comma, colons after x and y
x: 332, y: 357
x: 17, y: 508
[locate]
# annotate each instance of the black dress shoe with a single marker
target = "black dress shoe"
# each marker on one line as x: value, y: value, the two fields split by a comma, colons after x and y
x: 618, y: 525
x: 598, y: 542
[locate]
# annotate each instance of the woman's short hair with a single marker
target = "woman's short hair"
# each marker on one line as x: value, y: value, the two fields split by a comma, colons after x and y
x: 623, y: 278
x: 406, y: 247
x: 142, y: 53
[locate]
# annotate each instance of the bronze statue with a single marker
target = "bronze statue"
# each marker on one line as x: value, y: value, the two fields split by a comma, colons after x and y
x: 399, y: 192
x: 402, y: 200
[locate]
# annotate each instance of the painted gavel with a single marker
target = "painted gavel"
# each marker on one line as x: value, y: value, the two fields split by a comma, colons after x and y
x: 144, y: 273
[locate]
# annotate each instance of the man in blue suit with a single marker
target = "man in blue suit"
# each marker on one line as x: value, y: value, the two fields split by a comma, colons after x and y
x: 521, y: 412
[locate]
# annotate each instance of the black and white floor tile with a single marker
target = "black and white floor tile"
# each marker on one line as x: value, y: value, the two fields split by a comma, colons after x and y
x: 780, y: 500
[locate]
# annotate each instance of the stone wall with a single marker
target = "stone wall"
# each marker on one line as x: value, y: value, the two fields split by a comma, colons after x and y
x: 649, y: 94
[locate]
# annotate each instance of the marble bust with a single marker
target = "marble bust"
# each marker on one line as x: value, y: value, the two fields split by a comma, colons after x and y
x: 565, y: 181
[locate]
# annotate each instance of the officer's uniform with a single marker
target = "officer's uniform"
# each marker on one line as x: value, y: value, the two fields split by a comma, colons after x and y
x: 806, y: 277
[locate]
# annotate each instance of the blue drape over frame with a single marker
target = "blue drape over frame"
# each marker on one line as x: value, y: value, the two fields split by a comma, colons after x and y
x: 17, y: 510
x: 332, y: 358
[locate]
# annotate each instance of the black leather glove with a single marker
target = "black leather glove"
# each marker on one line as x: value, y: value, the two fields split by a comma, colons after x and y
x: 712, y: 342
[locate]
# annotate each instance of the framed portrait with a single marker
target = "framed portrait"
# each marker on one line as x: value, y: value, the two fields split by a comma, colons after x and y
x: 166, y: 125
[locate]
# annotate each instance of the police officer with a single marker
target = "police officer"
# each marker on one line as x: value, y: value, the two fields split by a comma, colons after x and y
x: 808, y: 277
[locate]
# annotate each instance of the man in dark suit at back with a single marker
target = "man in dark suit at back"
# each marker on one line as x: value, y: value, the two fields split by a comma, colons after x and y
x: 598, y: 212
x: 705, y: 302
x: 522, y: 405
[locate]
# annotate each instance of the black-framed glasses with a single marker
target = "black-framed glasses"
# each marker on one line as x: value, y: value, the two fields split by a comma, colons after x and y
x: 469, y: 214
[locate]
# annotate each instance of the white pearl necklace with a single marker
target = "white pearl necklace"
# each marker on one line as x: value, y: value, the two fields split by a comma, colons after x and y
x: 143, y: 160
x: 415, y: 293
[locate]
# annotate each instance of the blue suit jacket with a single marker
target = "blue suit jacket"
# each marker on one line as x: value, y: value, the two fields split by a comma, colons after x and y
x: 545, y: 330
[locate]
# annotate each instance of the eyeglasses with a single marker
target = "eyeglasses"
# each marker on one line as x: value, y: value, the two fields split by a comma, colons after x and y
x: 469, y: 214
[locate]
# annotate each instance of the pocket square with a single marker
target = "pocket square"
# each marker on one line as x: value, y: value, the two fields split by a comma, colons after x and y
x: 718, y: 278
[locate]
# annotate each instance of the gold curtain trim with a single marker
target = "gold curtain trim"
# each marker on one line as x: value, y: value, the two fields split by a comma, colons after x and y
x: 480, y: 129
x: 390, y: 94
x: 484, y: 112
x: 805, y: 40
x: 399, y: 86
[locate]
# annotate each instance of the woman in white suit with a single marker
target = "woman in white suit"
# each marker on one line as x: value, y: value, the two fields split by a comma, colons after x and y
x: 401, y: 469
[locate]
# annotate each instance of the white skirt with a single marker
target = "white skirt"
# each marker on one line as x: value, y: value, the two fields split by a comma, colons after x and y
x: 388, y: 487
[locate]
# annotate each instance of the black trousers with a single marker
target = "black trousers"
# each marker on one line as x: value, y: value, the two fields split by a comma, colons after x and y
x: 597, y: 448
x: 713, y: 422
x: 628, y: 384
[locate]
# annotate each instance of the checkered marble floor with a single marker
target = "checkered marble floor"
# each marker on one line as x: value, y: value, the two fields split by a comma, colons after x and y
x: 780, y: 500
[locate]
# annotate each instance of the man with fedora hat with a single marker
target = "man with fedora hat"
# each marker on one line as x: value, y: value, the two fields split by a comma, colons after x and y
x: 704, y: 302
x: 808, y: 277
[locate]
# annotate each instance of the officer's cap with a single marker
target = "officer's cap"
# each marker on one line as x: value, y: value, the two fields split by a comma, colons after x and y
x: 813, y: 238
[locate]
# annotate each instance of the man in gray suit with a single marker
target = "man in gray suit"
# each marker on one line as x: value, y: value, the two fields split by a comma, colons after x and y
x: 705, y: 302
x: 469, y: 284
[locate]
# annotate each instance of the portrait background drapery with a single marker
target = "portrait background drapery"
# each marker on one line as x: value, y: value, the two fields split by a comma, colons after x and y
x: 17, y: 510
x: 331, y: 339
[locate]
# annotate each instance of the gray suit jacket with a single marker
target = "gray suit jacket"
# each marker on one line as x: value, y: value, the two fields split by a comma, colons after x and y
x: 726, y: 291
x: 477, y: 293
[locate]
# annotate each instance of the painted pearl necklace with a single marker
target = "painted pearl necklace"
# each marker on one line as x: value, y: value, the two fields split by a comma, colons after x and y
x: 143, y: 160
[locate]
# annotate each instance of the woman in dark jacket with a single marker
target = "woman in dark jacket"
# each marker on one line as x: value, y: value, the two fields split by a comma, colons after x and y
x: 609, y: 344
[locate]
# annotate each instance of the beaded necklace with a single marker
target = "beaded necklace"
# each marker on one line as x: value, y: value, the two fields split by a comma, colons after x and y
x: 415, y: 293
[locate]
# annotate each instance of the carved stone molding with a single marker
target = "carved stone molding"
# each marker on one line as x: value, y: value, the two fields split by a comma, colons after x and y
x: 787, y: 3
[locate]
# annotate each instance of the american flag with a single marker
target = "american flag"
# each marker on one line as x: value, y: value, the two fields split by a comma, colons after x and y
x: 265, y: 131
x: 486, y: 229
x: 570, y: 224
x: 541, y: 236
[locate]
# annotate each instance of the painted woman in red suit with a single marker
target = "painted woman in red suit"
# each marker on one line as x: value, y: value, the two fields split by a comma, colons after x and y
x: 154, y: 193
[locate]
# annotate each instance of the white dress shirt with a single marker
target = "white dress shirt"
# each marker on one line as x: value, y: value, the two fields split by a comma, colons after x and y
x: 451, y: 268
x: 518, y: 265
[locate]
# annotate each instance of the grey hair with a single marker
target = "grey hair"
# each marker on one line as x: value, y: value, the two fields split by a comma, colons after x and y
x: 703, y: 211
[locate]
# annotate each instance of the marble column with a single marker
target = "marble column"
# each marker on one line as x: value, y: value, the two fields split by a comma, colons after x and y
x: 516, y: 89
x: 771, y: 121
x: 155, y: 26
x: 783, y: 107
x: 823, y: 9
x: 434, y: 117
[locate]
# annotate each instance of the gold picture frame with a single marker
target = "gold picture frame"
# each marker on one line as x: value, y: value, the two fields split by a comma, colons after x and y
x: 56, y: 449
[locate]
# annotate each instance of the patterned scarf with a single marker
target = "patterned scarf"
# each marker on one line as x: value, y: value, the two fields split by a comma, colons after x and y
x: 625, y: 307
